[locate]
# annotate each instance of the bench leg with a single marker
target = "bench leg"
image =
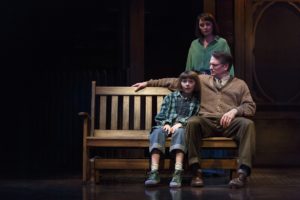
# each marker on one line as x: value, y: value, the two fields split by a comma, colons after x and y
x: 92, y: 171
x: 85, y: 167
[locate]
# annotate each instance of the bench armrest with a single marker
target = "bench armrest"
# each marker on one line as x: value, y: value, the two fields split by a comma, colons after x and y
x: 84, y: 114
x: 86, y: 123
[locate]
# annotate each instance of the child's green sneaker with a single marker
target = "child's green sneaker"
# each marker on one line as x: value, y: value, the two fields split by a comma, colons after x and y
x: 176, y: 180
x: 153, y: 179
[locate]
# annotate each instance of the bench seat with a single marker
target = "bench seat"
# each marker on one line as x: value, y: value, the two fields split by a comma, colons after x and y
x: 137, y: 138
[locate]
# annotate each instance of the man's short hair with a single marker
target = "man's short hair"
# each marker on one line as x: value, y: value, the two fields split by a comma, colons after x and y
x: 224, y: 58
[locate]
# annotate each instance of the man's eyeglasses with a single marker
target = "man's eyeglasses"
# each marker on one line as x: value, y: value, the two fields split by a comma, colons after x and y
x: 215, y: 65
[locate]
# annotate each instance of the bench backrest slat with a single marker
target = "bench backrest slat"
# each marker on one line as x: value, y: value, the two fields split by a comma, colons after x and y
x: 114, y: 112
x: 93, y: 93
x: 137, y: 112
x: 148, y: 115
x: 102, y: 119
x: 106, y: 90
x: 125, y: 125
x: 159, y: 102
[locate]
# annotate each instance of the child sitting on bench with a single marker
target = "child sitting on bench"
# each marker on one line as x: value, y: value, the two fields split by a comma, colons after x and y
x: 176, y: 108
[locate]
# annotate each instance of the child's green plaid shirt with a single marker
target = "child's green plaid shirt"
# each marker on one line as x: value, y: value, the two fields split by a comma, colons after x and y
x: 177, y: 109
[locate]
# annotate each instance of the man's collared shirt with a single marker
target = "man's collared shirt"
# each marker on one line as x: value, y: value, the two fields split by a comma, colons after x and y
x: 221, y: 82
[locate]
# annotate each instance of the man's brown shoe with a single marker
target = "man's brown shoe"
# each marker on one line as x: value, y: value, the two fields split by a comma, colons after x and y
x: 239, y: 181
x: 197, y: 180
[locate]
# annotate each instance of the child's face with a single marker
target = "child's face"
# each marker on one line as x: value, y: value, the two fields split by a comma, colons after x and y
x: 188, y: 85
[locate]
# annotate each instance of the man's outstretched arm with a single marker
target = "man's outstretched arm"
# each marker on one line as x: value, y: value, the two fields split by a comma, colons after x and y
x: 170, y: 83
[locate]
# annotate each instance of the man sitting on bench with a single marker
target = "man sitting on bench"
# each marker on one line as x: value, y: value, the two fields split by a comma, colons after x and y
x: 225, y: 102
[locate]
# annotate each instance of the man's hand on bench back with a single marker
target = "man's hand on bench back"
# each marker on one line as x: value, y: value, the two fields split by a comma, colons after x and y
x: 139, y: 86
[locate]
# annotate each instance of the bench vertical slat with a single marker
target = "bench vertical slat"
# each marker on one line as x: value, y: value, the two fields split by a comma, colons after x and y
x: 137, y: 113
x: 125, y: 119
x: 148, y: 117
x: 102, y: 122
x: 159, y: 102
x: 93, y: 108
x: 114, y: 113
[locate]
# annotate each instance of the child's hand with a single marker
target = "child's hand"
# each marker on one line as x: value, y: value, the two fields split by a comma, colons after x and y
x: 175, y: 127
x: 167, y: 128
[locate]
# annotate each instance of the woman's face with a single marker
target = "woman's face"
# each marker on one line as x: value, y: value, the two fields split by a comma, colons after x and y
x: 206, y: 27
x: 188, y: 85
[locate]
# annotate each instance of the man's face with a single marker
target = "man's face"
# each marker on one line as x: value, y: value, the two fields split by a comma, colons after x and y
x: 217, y: 69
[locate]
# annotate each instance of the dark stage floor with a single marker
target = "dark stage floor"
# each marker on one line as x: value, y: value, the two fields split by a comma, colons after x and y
x: 269, y: 184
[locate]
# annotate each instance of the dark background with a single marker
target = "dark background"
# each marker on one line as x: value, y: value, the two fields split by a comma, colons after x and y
x: 52, y: 50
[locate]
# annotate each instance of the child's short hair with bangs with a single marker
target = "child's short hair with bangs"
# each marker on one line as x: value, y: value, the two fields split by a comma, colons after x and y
x: 192, y: 75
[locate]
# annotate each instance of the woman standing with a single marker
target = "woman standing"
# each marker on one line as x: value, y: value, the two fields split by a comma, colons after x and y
x: 206, y: 43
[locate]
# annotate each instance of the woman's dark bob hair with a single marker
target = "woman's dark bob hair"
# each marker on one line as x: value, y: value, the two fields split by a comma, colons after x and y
x: 206, y: 17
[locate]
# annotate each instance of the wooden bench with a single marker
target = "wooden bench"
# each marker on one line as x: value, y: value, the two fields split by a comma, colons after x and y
x: 122, y: 118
